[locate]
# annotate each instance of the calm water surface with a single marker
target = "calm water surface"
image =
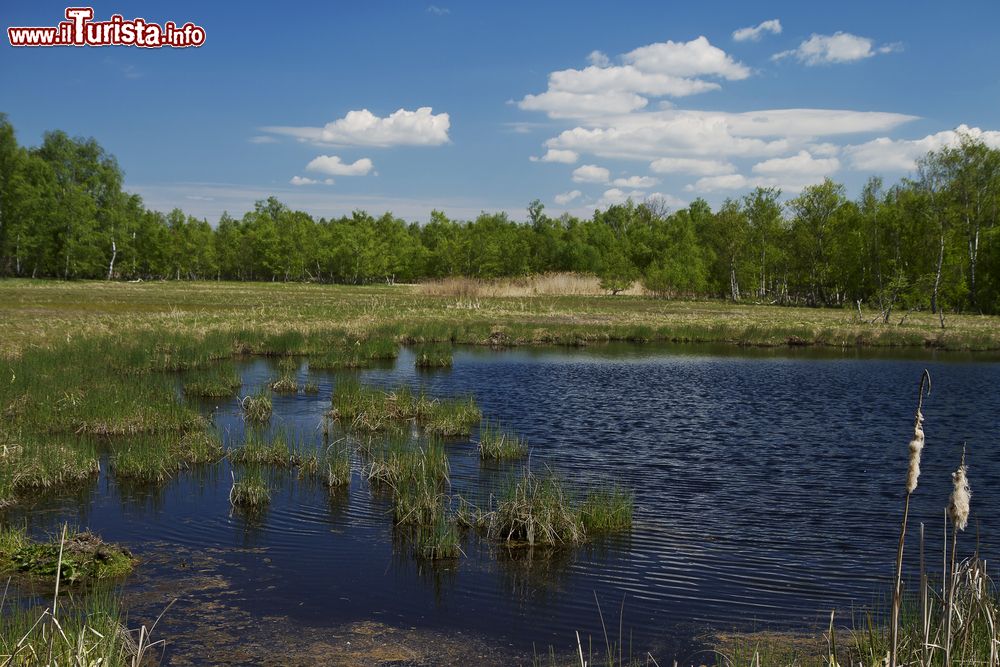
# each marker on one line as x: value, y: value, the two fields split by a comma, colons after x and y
x: 768, y: 491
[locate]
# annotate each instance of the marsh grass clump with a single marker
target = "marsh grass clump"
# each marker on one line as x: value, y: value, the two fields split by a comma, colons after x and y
x: 85, y: 629
x: 257, y: 407
x: 451, y: 417
x: 433, y: 356
x: 437, y: 541
x: 354, y: 354
x: 250, y: 491
x: 286, y: 384
x: 219, y: 382
x: 416, y: 476
x: 38, y: 462
x: 535, y: 510
x: 310, y: 387
x: 371, y: 409
x: 259, y: 449
x: 84, y: 557
x: 607, y: 510
x: 498, y: 444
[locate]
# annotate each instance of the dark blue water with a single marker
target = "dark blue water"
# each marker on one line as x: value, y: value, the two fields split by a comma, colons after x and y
x: 769, y: 487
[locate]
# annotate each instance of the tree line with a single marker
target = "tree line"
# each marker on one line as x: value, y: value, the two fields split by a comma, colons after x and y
x: 927, y: 242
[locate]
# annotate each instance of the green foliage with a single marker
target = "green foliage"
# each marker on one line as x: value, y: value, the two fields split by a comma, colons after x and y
x: 931, y: 242
x: 84, y: 557
x: 499, y: 444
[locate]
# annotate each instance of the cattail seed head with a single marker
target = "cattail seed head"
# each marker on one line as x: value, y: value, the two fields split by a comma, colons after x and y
x: 916, y: 446
x: 958, y: 508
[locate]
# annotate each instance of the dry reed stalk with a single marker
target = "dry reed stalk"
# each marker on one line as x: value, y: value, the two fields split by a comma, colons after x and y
x: 916, y: 447
x: 958, y: 511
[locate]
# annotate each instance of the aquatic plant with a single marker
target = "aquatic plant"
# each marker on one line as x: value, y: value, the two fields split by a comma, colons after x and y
x: 250, y: 491
x: 437, y: 541
x: 219, y: 382
x: 498, y: 444
x: 257, y: 407
x: 76, y: 556
x: 607, y: 510
x: 259, y: 448
x: 371, y: 409
x: 286, y: 384
x: 916, y: 447
x: 535, y: 510
x: 433, y: 356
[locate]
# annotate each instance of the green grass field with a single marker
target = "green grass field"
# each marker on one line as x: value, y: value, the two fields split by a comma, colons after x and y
x: 38, y: 313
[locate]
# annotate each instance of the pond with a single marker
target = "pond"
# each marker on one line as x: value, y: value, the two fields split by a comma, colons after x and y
x: 768, y: 491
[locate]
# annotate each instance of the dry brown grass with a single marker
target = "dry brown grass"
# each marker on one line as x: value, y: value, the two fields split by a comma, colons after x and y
x: 545, y: 284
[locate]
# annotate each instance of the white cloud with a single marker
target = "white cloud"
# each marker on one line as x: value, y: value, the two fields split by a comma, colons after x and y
x: 668, y: 199
x: 754, y: 33
x: 363, y: 128
x: 695, y: 58
x: 675, y: 69
x: 675, y: 133
x: 591, y: 173
x: 555, y: 155
x: 687, y: 165
x: 635, y: 182
x: 840, y: 47
x: 562, y: 104
x: 885, y: 154
x: 566, y: 197
x: 302, y: 180
x: 438, y: 11
x: 334, y: 166
x: 615, y: 196
x: 801, y: 164
x: 792, y: 174
x: 598, y: 58
x: 721, y: 182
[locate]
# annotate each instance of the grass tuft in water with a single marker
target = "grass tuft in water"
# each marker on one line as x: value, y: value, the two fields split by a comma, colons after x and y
x: 607, y: 510
x: 251, y: 490
x: 259, y: 448
x: 371, y: 409
x: 438, y: 541
x: 219, y: 382
x: 85, y: 557
x: 286, y: 384
x: 433, y: 356
x: 257, y: 407
x: 535, y: 510
x: 499, y: 444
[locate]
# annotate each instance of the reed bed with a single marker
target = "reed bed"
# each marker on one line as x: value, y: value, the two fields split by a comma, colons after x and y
x: 499, y: 444
x: 544, y: 284
x: 439, y: 541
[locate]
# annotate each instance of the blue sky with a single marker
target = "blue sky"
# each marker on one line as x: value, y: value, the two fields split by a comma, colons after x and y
x: 408, y: 106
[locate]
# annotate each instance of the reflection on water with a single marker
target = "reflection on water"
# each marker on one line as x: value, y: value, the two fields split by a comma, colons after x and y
x: 768, y: 489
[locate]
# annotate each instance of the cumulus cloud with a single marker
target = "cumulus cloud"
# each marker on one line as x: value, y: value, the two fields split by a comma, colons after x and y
x: 556, y: 155
x: 599, y: 59
x: 754, y: 33
x: 363, y: 128
x: 695, y: 58
x: 334, y: 166
x: 802, y: 163
x: 615, y: 196
x: 566, y: 197
x: 885, y: 154
x: 302, y: 180
x: 694, y: 166
x: 591, y: 173
x: 840, y: 47
x: 675, y: 69
x: 791, y: 174
x: 666, y: 199
x: 635, y: 182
